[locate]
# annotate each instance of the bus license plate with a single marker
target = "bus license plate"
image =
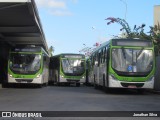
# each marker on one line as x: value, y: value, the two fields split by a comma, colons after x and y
x: 132, y: 86
x: 23, y: 81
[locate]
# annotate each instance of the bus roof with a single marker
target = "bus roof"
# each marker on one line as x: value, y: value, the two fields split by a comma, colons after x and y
x: 126, y: 42
x: 28, y: 49
x: 69, y: 54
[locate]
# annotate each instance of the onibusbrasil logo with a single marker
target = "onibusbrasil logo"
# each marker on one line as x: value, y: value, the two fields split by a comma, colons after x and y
x: 21, y: 114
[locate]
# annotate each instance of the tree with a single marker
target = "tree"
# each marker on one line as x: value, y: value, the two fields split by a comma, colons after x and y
x: 138, y: 32
x: 51, y: 51
x: 155, y: 35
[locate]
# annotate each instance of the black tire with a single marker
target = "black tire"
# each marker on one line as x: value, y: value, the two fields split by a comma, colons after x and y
x: 5, y: 85
x: 46, y: 84
x: 39, y: 85
x: 140, y: 91
x: 95, y: 85
x: 77, y: 84
x: 104, y: 87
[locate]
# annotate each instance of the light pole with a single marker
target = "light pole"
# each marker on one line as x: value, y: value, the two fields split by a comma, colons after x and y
x: 125, y: 16
x: 124, y: 2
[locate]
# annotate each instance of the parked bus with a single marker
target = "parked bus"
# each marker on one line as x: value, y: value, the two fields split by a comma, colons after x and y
x: 67, y: 68
x: 28, y: 65
x: 123, y: 63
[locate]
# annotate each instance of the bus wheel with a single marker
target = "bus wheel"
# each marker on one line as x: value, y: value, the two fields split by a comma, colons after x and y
x: 46, y: 84
x: 77, y: 84
x: 140, y: 91
x: 95, y: 85
x: 5, y: 85
x: 40, y: 85
x: 58, y: 84
x: 105, y: 89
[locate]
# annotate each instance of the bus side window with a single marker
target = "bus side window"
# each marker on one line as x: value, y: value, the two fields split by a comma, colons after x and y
x: 96, y: 59
x: 93, y: 60
x: 105, y: 55
x: 108, y: 53
x: 99, y: 58
x: 44, y: 57
x: 101, y: 55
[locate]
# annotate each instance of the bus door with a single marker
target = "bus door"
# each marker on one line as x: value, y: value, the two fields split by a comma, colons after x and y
x: 96, y: 68
x: 102, y: 67
x: 107, y: 59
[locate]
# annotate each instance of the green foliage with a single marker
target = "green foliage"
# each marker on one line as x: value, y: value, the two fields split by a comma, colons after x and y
x: 138, y: 32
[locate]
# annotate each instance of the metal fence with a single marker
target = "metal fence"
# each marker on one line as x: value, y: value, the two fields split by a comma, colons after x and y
x: 157, y: 74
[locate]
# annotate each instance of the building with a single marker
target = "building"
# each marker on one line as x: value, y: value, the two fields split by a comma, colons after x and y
x: 156, y: 14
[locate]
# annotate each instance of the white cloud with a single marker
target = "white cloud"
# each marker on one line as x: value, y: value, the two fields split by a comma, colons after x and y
x: 61, y: 13
x: 56, y: 7
x: 51, y: 3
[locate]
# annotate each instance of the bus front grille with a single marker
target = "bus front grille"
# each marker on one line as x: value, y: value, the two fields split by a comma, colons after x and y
x: 24, y: 80
x: 138, y: 85
x: 72, y: 80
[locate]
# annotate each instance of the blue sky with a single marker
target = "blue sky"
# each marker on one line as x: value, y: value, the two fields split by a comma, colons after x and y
x: 68, y: 24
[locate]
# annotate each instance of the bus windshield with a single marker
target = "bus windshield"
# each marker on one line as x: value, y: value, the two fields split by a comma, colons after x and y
x: 132, y: 60
x: 25, y: 63
x: 73, y: 66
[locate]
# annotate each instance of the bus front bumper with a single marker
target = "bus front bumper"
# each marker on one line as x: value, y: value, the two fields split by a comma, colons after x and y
x: 36, y: 80
x: 114, y: 83
x: 81, y: 80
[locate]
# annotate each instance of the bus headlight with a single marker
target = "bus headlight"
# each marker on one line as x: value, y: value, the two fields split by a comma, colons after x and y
x: 38, y: 75
x: 83, y: 77
x: 10, y: 75
x: 62, y: 76
x: 111, y: 76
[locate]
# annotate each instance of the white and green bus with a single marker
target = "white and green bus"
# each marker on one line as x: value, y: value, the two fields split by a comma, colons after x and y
x: 67, y: 68
x: 123, y: 63
x: 28, y: 65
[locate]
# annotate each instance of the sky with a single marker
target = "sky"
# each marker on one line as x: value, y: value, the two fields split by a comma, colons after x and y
x: 71, y: 25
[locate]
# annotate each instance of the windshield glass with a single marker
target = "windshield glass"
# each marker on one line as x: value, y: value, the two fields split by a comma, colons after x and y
x: 73, y: 66
x: 132, y: 60
x: 25, y: 63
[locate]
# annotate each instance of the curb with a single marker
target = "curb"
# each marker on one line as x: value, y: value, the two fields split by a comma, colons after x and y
x: 157, y: 92
x: 0, y: 86
x: 154, y: 91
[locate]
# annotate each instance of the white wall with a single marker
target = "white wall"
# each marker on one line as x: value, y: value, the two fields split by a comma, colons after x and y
x: 156, y: 14
x: 157, y: 74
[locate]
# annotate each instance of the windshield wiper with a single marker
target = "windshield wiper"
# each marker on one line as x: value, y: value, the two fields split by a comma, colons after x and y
x: 140, y: 52
x: 68, y: 62
x: 124, y: 54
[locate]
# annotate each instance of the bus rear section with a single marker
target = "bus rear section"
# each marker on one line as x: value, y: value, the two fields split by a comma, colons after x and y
x: 68, y: 69
x: 28, y: 66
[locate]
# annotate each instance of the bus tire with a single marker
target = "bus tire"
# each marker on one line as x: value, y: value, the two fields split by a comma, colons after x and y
x: 46, y: 84
x: 58, y: 84
x: 5, y: 85
x: 140, y: 91
x: 55, y: 80
x: 95, y: 85
x: 104, y: 86
x: 77, y: 84
x: 40, y: 85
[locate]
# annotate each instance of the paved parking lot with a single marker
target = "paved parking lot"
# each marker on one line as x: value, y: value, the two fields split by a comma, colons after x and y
x: 84, y: 98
